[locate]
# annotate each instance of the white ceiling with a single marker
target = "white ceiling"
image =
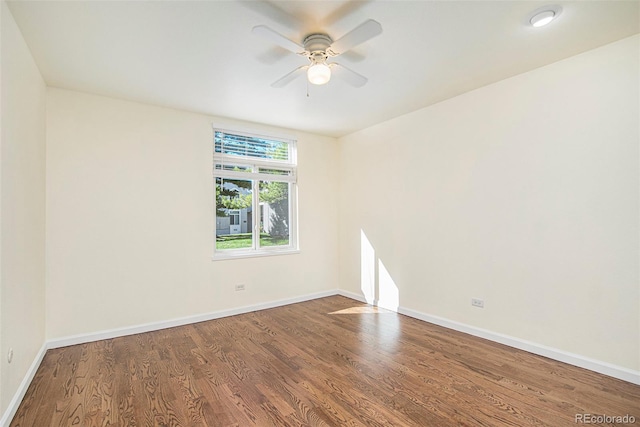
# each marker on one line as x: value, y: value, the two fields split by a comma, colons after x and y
x: 202, y: 56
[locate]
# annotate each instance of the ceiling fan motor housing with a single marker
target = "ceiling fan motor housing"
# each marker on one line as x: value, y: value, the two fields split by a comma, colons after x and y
x: 315, y: 43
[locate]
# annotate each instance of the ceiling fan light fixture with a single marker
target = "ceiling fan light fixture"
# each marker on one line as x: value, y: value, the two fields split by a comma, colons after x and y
x: 319, y: 73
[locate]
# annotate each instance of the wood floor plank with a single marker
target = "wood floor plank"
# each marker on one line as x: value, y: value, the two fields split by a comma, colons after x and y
x: 327, y: 362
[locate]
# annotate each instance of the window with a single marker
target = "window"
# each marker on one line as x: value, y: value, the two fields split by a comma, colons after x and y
x: 255, y: 189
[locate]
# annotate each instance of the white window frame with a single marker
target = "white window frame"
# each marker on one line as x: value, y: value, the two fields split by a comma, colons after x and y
x: 256, y: 176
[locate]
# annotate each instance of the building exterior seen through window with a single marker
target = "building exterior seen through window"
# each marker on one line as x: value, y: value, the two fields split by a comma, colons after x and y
x: 255, y: 189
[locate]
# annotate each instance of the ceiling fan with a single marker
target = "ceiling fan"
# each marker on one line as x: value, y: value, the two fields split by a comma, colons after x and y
x: 318, y: 48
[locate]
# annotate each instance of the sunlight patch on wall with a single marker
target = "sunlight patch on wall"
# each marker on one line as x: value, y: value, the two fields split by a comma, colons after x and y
x: 376, y: 283
x: 388, y: 294
x: 367, y: 269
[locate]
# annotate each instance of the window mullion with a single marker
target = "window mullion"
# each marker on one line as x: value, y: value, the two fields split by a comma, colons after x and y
x: 255, y: 218
x: 292, y: 231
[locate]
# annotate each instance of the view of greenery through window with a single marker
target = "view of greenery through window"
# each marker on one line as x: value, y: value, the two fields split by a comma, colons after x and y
x: 234, y: 198
x: 238, y: 211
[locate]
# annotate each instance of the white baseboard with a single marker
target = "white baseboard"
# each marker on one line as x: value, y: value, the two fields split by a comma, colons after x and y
x: 351, y: 295
x: 155, y: 326
x: 22, y: 388
x: 535, y: 348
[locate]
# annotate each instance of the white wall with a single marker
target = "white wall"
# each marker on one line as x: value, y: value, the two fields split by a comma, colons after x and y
x: 22, y: 208
x: 130, y: 218
x: 524, y: 193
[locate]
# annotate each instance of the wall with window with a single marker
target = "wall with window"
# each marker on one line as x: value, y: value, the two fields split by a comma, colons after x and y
x: 130, y: 218
x: 523, y: 193
x: 22, y: 213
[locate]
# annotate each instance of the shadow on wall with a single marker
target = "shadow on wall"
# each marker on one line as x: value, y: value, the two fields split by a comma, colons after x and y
x: 374, y: 276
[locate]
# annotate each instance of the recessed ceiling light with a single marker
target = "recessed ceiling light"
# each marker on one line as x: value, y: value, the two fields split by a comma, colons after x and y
x: 542, y: 16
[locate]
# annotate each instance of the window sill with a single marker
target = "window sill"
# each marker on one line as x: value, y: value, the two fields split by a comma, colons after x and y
x: 223, y: 256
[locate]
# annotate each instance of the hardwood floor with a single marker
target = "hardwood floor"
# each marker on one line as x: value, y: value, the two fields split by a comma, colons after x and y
x: 327, y: 362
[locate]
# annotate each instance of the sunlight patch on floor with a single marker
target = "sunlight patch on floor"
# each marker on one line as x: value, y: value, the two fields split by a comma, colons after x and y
x: 362, y: 309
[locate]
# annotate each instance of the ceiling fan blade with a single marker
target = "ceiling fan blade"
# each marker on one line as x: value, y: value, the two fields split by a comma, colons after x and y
x: 347, y: 8
x: 272, y: 55
x: 348, y: 75
x: 277, y: 38
x: 271, y: 10
x: 365, y: 31
x: 288, y: 78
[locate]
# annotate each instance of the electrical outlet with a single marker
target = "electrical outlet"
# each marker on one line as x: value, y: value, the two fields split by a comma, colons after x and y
x: 10, y: 355
x: 240, y: 287
x: 477, y: 302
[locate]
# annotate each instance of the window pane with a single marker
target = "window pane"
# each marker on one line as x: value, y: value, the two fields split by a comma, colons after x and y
x: 251, y: 146
x: 274, y: 213
x: 233, y: 214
